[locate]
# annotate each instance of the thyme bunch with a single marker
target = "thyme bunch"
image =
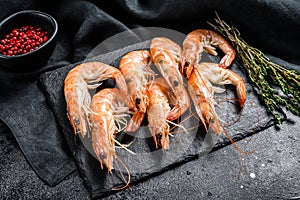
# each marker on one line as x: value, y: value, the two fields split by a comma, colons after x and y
x: 266, y: 76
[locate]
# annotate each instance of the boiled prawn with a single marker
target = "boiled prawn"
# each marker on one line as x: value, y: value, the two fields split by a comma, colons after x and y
x: 157, y: 112
x: 109, y: 110
x: 79, y: 81
x: 166, y: 55
x: 135, y: 67
x: 201, y: 40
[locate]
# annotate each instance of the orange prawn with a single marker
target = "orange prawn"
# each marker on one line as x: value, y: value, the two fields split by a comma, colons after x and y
x: 166, y: 55
x: 157, y: 112
x: 201, y: 40
x: 77, y: 84
x: 135, y: 67
x: 202, y: 96
x: 109, y: 110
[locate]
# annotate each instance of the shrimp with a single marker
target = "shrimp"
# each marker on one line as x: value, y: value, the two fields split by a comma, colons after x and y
x: 221, y: 76
x: 201, y: 40
x: 157, y: 112
x: 202, y: 96
x: 79, y: 80
x: 135, y: 67
x: 108, y: 113
x: 166, y: 55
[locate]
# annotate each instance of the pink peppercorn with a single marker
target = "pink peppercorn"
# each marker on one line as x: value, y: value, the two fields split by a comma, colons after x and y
x: 23, y: 40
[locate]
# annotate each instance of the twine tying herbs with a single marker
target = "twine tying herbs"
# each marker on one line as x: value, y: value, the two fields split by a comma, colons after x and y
x: 265, y: 75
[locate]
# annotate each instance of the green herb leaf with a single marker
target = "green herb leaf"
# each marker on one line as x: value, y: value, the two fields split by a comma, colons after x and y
x: 265, y: 75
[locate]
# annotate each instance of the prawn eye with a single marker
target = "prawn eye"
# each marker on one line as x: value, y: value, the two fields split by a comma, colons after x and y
x: 186, y: 64
x: 175, y: 83
x: 159, y: 136
x: 102, y: 156
x: 137, y: 101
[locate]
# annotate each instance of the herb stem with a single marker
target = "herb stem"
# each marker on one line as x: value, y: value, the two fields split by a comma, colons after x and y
x: 265, y: 75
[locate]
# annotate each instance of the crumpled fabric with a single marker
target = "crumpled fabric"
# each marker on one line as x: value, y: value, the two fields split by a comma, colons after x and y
x: 271, y: 26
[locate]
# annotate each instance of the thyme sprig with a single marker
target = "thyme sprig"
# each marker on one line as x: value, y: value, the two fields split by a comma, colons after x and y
x: 266, y: 76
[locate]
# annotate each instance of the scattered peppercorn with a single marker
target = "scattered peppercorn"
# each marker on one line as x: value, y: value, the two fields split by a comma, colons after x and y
x: 23, y: 40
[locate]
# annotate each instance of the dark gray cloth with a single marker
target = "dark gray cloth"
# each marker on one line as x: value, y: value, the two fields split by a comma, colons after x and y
x: 26, y: 111
x: 272, y: 26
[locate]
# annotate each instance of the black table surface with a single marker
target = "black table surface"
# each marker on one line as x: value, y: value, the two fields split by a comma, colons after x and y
x: 272, y: 172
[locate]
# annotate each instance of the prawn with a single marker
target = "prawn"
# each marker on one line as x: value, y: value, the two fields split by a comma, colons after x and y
x: 202, y: 96
x: 201, y: 40
x: 77, y: 84
x: 166, y: 55
x: 157, y: 112
x: 135, y: 67
x: 109, y: 110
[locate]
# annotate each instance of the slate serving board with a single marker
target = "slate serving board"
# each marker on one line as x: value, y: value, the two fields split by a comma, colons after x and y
x: 184, y: 147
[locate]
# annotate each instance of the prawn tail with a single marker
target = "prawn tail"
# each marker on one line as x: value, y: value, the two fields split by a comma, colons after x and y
x: 135, y: 122
x: 121, y: 83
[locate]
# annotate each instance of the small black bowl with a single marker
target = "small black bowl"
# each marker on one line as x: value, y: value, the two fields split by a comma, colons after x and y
x: 38, y: 57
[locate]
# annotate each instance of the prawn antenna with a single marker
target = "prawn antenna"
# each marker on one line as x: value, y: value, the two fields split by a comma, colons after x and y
x: 178, y: 125
x: 258, y: 120
x: 234, y: 144
x: 241, y: 167
x: 239, y: 150
x: 237, y: 118
x: 184, y: 120
x: 150, y: 84
x: 127, y: 182
x: 123, y: 146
